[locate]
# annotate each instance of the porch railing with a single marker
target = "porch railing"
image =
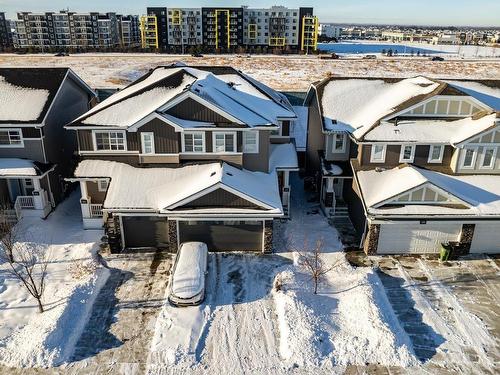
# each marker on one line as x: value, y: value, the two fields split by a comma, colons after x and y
x: 95, y: 210
x: 25, y: 202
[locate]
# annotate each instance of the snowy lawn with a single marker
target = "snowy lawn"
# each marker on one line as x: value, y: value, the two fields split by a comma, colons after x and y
x: 28, y: 338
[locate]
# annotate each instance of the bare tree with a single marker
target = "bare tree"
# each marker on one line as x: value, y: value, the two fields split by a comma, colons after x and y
x: 28, y: 260
x: 8, y: 231
x: 315, y: 265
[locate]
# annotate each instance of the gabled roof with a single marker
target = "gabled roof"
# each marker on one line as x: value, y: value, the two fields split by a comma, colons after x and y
x: 15, y: 167
x: 357, y: 105
x: 480, y: 194
x: 26, y: 94
x: 229, y: 92
x: 164, y: 189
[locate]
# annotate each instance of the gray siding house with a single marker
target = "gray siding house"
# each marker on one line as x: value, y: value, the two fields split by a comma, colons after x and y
x: 35, y: 150
x: 424, y: 160
x: 187, y: 153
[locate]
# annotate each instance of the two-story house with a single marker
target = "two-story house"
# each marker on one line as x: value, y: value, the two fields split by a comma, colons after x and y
x: 187, y: 153
x: 423, y: 155
x: 35, y: 150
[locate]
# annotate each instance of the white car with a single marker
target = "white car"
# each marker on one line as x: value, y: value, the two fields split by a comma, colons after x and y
x: 187, y: 285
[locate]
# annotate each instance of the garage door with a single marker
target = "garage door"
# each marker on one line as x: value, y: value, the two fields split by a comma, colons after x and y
x: 415, y: 237
x: 486, y: 238
x: 145, y: 231
x: 223, y: 236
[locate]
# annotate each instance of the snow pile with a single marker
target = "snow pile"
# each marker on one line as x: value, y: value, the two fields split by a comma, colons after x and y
x: 21, y: 103
x: 349, y: 322
x: 31, y: 339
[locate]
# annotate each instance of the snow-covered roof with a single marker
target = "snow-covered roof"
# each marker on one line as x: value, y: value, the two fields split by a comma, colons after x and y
x: 489, y: 95
x: 12, y: 167
x: 162, y: 189
x: 357, y: 104
x: 233, y: 94
x: 283, y: 156
x: 480, y: 192
x: 431, y: 130
x: 299, y: 127
x: 27, y: 93
x: 189, y: 274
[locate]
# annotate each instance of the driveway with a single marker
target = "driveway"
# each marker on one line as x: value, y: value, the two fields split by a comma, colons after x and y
x: 449, y: 310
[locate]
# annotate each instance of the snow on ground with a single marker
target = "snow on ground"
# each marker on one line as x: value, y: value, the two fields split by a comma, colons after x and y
x: 244, y: 325
x: 286, y: 73
x: 349, y: 321
x: 31, y: 339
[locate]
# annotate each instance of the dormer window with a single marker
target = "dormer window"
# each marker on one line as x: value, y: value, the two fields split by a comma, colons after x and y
x: 488, y: 157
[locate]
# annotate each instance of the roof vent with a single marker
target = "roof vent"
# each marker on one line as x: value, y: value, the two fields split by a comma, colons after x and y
x: 197, y: 90
x: 212, y: 174
x: 396, y: 131
x: 231, y: 84
x: 229, y: 173
x: 379, y: 169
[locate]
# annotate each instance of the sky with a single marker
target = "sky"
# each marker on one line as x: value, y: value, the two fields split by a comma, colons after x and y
x: 415, y: 12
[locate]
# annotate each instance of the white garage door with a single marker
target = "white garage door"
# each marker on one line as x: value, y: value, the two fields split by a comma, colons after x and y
x: 415, y: 237
x: 486, y: 238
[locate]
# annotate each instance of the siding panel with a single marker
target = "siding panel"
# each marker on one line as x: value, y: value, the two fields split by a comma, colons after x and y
x: 165, y: 136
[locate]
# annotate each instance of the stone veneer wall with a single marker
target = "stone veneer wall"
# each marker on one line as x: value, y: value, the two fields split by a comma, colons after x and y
x: 371, y: 241
x: 465, y: 240
x: 172, y: 236
x: 268, y: 236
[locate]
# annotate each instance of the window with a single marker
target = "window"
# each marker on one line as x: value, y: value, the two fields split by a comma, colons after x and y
x: 436, y: 154
x: 194, y: 142
x: 468, y: 158
x: 338, y: 143
x: 148, y: 143
x: 110, y: 141
x: 102, y: 185
x: 407, y: 154
x: 11, y: 138
x: 251, y: 142
x: 489, y: 157
x: 224, y: 142
x: 378, y: 153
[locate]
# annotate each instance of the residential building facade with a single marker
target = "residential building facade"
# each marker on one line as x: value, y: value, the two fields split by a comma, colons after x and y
x: 187, y: 154
x: 227, y: 29
x: 36, y: 153
x: 6, y: 40
x: 130, y: 33
x: 154, y: 30
x: 72, y: 30
x: 414, y: 160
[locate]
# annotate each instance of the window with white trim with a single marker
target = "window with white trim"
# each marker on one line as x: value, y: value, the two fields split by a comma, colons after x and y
x: 110, y: 141
x: 436, y: 154
x: 488, y: 157
x: 11, y: 138
x: 251, y: 142
x: 224, y: 142
x: 102, y: 185
x: 194, y: 142
x: 407, y: 154
x: 469, y: 157
x: 148, y: 143
x: 338, y: 143
x: 378, y: 153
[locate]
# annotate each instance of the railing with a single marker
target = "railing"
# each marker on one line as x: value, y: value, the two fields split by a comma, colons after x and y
x: 95, y: 210
x: 25, y: 202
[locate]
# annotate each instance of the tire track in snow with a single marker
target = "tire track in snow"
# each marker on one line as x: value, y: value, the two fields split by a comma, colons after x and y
x: 470, y: 328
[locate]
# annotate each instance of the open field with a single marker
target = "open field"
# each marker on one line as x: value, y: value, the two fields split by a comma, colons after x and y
x: 286, y: 73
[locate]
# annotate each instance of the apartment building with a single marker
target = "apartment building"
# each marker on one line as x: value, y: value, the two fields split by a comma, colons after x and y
x: 5, y: 33
x: 154, y: 28
x: 329, y: 30
x: 226, y: 29
x: 185, y: 28
x: 67, y: 30
x: 130, y: 34
x: 222, y: 27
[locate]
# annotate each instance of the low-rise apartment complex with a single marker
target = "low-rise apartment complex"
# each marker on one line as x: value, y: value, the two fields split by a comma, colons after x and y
x: 75, y: 30
x: 227, y: 29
